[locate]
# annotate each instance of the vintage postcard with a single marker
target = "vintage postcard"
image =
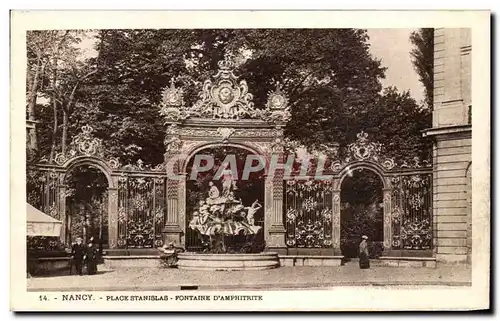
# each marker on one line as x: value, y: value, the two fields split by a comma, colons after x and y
x: 250, y: 160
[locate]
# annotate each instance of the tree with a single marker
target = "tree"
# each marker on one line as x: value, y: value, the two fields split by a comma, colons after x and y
x: 332, y: 95
x: 423, y: 60
x: 41, y: 48
x: 397, y: 121
x: 63, y: 92
x: 55, y: 71
x: 325, y: 85
x: 120, y: 99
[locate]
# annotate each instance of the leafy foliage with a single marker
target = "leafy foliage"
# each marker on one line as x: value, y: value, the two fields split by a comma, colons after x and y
x: 332, y: 95
x: 423, y: 60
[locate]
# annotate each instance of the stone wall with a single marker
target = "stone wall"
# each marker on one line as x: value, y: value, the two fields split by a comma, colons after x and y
x: 452, y: 145
x: 452, y: 77
x: 452, y: 157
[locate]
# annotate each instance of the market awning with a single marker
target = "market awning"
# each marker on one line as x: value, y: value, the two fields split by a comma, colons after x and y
x: 41, y: 224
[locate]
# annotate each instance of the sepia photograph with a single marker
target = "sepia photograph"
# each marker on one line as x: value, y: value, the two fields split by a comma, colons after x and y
x: 245, y: 160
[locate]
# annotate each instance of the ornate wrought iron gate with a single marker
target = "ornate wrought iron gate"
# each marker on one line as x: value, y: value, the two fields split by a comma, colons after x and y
x: 308, y: 213
x: 141, y: 211
x: 411, y: 211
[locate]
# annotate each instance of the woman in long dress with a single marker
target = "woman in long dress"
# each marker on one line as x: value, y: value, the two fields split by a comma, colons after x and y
x: 91, y: 257
x: 364, y: 256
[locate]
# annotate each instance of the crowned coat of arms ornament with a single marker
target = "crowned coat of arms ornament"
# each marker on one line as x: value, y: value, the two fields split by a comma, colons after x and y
x: 224, y: 98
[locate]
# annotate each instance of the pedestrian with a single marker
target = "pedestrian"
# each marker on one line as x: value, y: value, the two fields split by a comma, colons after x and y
x: 364, y: 256
x: 77, y: 254
x: 91, y: 257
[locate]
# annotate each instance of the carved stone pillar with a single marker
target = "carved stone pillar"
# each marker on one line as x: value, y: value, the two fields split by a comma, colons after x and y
x: 113, y: 217
x: 336, y: 222
x: 275, y: 237
x: 181, y: 211
x: 62, y: 210
x: 387, y: 220
x: 176, y: 191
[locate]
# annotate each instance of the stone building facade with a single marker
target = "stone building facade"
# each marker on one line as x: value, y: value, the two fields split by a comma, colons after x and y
x: 452, y: 133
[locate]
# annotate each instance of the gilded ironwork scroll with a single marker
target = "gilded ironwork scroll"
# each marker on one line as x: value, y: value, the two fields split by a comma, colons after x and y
x: 411, y: 212
x: 141, y: 211
x: 308, y: 213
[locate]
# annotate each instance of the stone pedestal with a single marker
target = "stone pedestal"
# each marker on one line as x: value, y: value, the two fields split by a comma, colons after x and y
x: 173, y: 234
x: 276, y: 239
x: 176, y: 199
x: 228, y: 262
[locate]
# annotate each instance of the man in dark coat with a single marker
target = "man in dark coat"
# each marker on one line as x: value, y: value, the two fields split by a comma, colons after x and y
x: 77, y: 254
x: 91, y: 257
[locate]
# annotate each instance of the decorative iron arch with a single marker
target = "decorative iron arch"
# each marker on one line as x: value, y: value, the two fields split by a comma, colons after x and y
x: 123, y: 205
x: 368, y: 165
x: 90, y: 161
x: 224, y: 115
x: 367, y: 154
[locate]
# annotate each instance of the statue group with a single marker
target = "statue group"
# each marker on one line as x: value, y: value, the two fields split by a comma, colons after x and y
x: 222, y: 219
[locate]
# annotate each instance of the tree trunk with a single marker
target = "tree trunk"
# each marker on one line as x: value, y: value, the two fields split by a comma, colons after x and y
x: 66, y: 112
x: 54, y: 132
x: 64, y: 130
x: 32, y: 95
x: 54, y: 106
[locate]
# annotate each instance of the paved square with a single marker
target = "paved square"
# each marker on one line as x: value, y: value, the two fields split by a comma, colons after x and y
x: 144, y: 279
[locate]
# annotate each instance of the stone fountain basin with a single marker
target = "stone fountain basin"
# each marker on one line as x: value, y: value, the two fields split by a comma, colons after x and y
x: 228, y: 262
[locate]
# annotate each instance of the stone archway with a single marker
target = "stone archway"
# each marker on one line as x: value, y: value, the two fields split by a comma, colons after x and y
x: 90, y: 161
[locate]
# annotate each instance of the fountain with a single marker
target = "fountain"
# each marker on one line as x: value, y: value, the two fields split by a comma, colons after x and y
x: 228, y: 232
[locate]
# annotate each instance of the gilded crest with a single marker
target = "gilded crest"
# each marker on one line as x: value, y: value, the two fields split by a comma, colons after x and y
x: 277, y: 110
x: 225, y: 97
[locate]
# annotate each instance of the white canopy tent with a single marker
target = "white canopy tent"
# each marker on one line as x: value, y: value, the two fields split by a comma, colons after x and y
x: 41, y: 224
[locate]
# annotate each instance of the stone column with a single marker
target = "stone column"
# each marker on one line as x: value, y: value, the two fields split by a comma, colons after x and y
x: 387, y: 220
x: 176, y: 194
x: 62, y: 210
x: 336, y: 222
x: 274, y: 212
x: 113, y: 217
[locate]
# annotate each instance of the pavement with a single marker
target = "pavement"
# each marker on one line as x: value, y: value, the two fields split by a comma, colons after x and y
x: 303, y: 277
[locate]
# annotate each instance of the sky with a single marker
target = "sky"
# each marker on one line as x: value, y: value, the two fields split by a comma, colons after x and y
x: 392, y: 46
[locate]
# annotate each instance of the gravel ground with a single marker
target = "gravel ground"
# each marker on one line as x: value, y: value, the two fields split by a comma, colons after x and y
x: 136, y: 279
